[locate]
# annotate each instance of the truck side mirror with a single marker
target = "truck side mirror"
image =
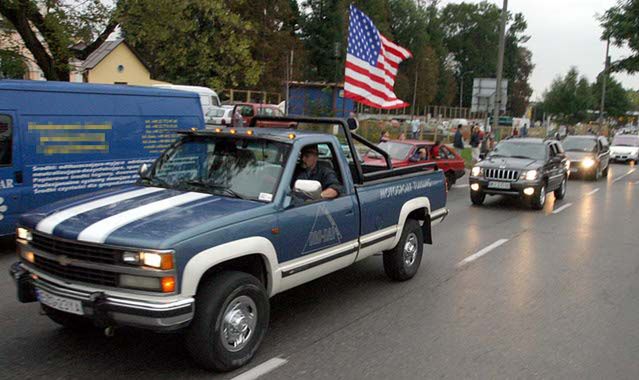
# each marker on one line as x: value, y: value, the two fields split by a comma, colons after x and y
x: 144, y: 171
x: 353, y: 124
x: 308, y: 189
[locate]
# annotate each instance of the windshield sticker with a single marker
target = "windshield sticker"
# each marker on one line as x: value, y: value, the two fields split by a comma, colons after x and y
x: 324, y: 231
x: 397, y: 190
x: 265, y: 197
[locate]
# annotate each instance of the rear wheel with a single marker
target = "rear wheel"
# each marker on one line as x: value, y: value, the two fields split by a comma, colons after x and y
x: 230, y: 321
x: 402, y: 262
x: 560, y: 193
x: 539, y: 200
x: 605, y: 171
x: 477, y: 197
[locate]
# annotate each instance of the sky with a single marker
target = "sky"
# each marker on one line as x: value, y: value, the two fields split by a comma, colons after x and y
x: 565, y: 33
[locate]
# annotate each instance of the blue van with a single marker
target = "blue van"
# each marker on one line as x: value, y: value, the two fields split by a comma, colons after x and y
x: 60, y: 139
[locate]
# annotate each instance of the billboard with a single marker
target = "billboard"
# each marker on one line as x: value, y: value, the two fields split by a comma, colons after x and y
x: 484, y: 90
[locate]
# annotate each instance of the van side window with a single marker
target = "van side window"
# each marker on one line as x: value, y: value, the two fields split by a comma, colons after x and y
x: 5, y: 140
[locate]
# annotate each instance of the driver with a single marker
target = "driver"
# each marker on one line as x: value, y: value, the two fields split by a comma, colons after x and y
x: 310, y: 170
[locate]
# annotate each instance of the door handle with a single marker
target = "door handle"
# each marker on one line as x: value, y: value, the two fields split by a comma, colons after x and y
x: 349, y: 213
x: 18, y: 176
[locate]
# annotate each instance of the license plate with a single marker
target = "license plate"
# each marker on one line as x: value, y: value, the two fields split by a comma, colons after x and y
x: 499, y: 185
x: 60, y: 303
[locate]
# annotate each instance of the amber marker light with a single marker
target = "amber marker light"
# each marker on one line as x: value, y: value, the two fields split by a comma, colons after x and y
x: 168, y: 284
x: 232, y: 131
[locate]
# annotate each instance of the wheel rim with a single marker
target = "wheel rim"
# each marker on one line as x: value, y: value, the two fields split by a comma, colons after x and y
x: 410, y: 249
x: 542, y: 195
x: 238, y: 324
x: 563, y: 187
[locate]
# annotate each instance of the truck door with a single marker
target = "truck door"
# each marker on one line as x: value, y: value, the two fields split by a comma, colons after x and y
x: 11, y: 174
x: 318, y: 237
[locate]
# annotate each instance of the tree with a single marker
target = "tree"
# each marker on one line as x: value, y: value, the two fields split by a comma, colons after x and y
x: 617, y: 101
x: 11, y: 65
x: 620, y: 26
x: 570, y: 98
x: 51, y: 29
x: 199, y: 42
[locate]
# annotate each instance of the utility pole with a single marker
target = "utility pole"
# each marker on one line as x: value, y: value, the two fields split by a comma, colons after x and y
x: 500, y: 63
x: 415, y: 91
x: 603, y: 85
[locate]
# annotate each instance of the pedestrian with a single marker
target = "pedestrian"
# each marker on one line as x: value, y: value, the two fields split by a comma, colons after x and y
x: 515, y: 132
x: 524, y: 130
x: 434, y: 151
x: 384, y: 136
x: 414, y: 128
x: 458, y: 141
x: 474, y: 143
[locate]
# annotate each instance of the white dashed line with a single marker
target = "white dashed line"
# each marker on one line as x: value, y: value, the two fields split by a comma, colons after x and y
x: 623, y: 176
x: 261, y: 369
x: 481, y: 253
x: 593, y: 192
x: 562, y: 208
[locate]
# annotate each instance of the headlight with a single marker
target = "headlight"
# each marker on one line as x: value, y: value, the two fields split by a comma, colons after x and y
x: 157, y: 260
x: 24, y: 234
x: 587, y: 163
x: 531, y: 175
x: 476, y: 171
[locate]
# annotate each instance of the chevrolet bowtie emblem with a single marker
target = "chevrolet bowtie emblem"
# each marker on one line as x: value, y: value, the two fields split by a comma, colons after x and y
x: 64, y: 260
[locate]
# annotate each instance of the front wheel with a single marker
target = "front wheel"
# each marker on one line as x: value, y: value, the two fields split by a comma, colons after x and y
x: 605, y: 171
x: 402, y: 262
x: 560, y: 193
x: 539, y: 201
x: 231, y: 318
x: 477, y: 197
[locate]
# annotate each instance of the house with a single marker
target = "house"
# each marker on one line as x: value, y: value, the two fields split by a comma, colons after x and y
x: 114, y: 62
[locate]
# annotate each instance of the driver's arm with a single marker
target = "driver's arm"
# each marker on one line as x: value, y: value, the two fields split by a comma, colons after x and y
x: 331, y: 185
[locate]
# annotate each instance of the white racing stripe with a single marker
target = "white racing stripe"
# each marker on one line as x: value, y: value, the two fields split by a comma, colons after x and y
x: 261, y: 369
x: 562, y: 208
x: 481, y: 253
x: 99, y: 231
x: 48, y: 224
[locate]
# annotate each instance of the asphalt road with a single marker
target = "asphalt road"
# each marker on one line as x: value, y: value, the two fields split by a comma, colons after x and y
x: 505, y: 292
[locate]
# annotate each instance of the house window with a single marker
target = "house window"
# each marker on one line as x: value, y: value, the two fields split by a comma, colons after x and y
x: 120, y: 68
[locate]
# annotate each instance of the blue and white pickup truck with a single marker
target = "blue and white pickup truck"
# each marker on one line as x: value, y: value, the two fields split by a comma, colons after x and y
x: 218, y: 225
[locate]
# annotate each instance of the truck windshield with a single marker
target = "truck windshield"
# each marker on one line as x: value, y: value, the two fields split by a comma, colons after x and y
x: 520, y: 150
x: 577, y: 144
x: 626, y: 141
x: 232, y: 167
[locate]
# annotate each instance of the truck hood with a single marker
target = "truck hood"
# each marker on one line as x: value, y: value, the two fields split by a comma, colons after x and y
x: 579, y: 156
x: 137, y: 216
x: 510, y: 163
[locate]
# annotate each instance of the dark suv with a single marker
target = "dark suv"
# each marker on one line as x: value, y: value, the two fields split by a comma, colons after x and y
x: 526, y: 168
x: 589, y: 155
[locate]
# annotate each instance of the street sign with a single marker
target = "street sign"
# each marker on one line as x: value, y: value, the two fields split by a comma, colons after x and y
x: 484, y: 90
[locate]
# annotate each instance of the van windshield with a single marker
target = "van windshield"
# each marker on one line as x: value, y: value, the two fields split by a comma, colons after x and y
x: 232, y: 167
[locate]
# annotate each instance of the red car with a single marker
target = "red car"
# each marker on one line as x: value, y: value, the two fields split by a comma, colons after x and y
x: 250, y: 110
x: 406, y: 152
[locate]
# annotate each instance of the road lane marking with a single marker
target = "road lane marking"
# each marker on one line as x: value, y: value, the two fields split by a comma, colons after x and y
x: 623, y: 176
x: 261, y: 369
x: 481, y: 253
x: 593, y: 192
x: 562, y: 208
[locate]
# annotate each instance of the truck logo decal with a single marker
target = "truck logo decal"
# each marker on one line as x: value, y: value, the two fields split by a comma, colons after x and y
x: 323, y: 231
x: 71, y: 138
x: 404, y: 188
x: 63, y: 260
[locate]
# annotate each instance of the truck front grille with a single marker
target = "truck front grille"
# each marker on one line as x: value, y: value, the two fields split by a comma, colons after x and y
x: 73, y: 273
x: 76, y: 250
x: 502, y: 174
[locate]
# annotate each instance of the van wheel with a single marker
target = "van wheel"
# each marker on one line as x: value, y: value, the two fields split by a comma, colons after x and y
x: 402, y: 262
x: 68, y: 320
x: 230, y: 321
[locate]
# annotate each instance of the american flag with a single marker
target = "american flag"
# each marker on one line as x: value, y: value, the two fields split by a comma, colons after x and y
x: 371, y: 64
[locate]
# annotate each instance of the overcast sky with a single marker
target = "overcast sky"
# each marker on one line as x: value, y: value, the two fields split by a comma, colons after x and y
x: 565, y: 33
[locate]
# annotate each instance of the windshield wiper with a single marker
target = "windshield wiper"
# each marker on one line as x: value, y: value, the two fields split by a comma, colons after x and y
x: 522, y: 157
x: 215, y: 187
x: 155, y: 181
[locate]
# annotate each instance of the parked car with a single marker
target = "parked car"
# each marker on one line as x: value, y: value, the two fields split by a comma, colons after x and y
x: 220, y: 116
x: 406, y: 152
x: 208, y: 98
x: 213, y: 229
x: 525, y: 168
x: 625, y: 148
x: 60, y: 139
x: 589, y: 155
x: 250, y: 110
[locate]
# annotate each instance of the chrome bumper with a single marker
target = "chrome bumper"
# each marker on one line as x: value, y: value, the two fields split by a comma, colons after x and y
x: 104, y: 309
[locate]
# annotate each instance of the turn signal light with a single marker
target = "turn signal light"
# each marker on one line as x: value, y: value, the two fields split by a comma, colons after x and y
x: 168, y: 284
x: 291, y: 136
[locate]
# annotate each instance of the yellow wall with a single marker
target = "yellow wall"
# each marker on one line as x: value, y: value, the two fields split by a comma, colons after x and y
x: 134, y: 71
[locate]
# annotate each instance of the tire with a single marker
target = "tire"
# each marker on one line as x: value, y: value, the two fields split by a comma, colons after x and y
x: 222, y: 297
x: 560, y: 193
x: 596, y: 174
x: 605, y: 171
x: 402, y: 262
x: 68, y: 320
x: 539, y: 201
x: 477, y: 197
x: 450, y: 180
